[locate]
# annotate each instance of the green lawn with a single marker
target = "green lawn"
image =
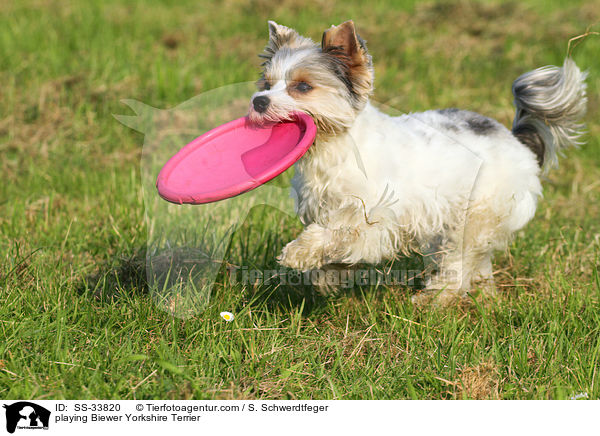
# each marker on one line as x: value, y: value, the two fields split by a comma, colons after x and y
x: 77, y: 318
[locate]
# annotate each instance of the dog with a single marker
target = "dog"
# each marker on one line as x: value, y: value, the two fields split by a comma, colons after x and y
x: 451, y: 184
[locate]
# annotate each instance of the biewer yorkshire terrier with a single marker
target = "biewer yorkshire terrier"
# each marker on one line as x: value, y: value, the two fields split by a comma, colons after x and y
x: 451, y: 184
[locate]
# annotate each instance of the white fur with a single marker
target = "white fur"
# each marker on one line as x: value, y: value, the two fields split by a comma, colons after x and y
x: 390, y: 182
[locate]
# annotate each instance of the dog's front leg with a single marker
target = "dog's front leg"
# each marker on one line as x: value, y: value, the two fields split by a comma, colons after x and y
x: 308, y: 250
x: 360, y: 239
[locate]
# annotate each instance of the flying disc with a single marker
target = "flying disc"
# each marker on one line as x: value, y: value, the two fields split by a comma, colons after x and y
x: 234, y: 158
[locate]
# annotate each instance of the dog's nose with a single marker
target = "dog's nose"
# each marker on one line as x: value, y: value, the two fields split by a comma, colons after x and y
x: 261, y: 103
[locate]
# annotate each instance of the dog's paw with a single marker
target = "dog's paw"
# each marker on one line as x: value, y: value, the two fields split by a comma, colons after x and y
x: 301, y: 256
x: 307, y: 251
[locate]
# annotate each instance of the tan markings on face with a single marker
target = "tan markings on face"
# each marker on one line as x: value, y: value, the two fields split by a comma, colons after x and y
x: 301, y: 83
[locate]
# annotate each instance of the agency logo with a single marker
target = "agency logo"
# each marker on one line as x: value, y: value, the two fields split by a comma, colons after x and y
x: 26, y: 415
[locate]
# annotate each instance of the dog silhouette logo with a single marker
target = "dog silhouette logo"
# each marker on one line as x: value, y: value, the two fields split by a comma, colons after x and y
x: 26, y: 415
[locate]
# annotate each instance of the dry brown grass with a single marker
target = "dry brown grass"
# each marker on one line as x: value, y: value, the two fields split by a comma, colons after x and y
x: 480, y: 382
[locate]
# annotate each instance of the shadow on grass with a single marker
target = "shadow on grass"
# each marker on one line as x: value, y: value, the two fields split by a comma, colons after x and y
x: 114, y: 279
x: 249, y: 270
x: 128, y: 277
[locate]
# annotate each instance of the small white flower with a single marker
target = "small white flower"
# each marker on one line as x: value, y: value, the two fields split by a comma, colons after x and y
x: 227, y: 316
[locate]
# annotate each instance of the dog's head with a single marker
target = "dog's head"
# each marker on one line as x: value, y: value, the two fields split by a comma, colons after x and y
x: 330, y: 82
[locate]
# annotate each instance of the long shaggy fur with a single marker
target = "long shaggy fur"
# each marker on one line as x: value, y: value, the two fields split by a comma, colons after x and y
x: 449, y: 183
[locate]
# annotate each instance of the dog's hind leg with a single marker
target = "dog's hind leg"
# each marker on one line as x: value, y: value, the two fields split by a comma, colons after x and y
x: 483, y: 278
x: 464, y: 264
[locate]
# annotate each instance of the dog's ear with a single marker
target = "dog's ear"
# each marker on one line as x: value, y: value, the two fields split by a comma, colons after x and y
x: 282, y: 36
x: 342, y: 41
x: 349, y: 49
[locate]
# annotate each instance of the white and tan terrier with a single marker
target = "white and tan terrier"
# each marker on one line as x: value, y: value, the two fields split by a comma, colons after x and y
x: 451, y: 182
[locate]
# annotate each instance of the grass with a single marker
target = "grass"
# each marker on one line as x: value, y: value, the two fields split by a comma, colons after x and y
x: 77, y: 319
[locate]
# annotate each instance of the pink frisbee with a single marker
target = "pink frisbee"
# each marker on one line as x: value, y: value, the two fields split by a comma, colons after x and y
x: 234, y: 158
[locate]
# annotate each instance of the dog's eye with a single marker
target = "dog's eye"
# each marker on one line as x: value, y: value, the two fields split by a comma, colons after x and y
x: 303, y: 87
x: 267, y: 86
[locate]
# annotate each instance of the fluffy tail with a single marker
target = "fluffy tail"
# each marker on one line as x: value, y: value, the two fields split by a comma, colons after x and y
x: 551, y: 103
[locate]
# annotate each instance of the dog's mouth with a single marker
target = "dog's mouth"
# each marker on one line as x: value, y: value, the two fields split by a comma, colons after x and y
x: 270, y: 118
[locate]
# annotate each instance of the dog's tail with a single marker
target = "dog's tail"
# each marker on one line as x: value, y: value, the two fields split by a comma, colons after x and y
x: 551, y: 103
